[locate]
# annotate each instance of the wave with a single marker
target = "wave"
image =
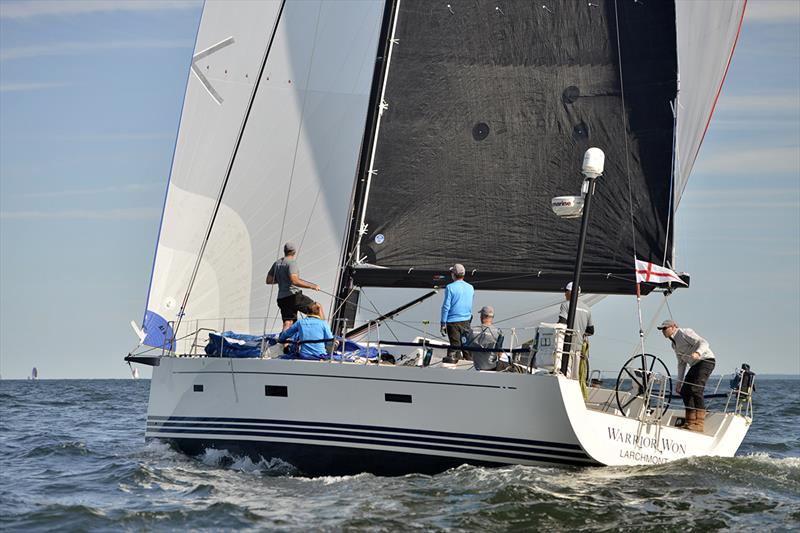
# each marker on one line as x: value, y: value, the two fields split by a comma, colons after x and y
x: 225, y: 459
x: 59, y: 449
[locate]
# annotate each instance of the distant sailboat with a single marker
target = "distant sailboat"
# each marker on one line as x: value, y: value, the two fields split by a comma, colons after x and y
x: 135, y: 373
x: 35, y: 373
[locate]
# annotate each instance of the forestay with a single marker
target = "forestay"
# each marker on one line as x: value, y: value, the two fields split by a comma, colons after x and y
x: 286, y: 156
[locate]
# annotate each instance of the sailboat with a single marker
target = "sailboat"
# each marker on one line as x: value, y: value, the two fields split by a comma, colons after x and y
x: 390, y: 140
x: 34, y: 373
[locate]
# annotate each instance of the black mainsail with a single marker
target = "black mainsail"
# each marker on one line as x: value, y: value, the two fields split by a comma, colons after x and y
x: 488, y: 111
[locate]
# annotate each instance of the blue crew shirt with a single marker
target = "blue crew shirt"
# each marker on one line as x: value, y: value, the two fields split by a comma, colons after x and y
x: 309, y: 328
x: 457, y: 304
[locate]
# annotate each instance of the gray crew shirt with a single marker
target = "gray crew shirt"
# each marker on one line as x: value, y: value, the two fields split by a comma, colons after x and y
x: 485, y: 336
x: 685, y: 342
x: 281, y: 271
x: 583, y: 317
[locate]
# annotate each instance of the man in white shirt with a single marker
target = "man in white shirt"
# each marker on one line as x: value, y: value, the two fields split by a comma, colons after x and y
x: 693, y: 351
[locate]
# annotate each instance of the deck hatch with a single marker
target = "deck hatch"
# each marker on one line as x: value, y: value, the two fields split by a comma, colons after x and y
x: 197, y: 388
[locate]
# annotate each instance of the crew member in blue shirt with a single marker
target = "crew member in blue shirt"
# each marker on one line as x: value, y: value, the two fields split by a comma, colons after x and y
x: 312, y: 327
x: 457, y: 312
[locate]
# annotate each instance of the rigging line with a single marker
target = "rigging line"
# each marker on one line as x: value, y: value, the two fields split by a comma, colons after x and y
x: 360, y: 307
x: 666, y: 302
x: 542, y: 308
x: 625, y: 129
x: 342, y: 303
x: 671, y: 206
x: 381, y: 107
x: 297, y: 139
x: 335, y: 305
x: 308, y: 221
x: 650, y: 327
x: 379, y: 314
x: 518, y: 276
x: 408, y: 325
x: 232, y: 159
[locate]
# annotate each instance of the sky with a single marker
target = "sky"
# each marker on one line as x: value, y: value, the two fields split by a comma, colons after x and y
x: 90, y: 101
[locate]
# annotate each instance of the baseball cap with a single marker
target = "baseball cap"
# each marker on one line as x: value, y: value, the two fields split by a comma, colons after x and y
x: 569, y: 287
x: 667, y: 323
x: 458, y: 269
x: 289, y: 247
x: 487, y: 310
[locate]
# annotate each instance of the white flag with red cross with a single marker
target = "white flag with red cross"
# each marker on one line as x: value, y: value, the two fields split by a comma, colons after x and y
x: 650, y: 273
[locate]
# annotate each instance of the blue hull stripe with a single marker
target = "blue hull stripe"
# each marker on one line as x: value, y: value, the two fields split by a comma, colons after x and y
x: 332, y: 460
x: 489, y: 439
x: 311, y: 433
x: 556, y: 458
x: 223, y: 429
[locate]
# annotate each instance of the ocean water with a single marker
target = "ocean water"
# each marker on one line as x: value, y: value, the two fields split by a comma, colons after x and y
x: 74, y: 459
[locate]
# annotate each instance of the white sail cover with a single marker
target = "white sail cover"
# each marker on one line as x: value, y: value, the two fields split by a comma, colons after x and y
x: 292, y: 174
x: 707, y: 31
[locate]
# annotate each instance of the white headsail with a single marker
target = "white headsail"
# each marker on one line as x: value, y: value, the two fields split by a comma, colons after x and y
x: 707, y: 32
x: 282, y: 159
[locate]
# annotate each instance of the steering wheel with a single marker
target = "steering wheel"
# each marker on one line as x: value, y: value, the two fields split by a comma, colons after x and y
x: 633, y: 380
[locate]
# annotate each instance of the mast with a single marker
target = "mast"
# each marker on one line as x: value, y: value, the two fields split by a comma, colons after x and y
x: 345, y: 303
x: 593, y: 163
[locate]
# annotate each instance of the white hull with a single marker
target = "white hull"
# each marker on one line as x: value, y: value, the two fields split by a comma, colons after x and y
x: 330, y: 418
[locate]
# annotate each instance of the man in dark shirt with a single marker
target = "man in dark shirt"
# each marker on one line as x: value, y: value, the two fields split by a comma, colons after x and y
x: 286, y: 274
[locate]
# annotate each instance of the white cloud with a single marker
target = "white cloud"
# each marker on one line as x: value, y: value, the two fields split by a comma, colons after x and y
x: 785, y: 11
x: 751, y: 161
x: 29, y: 9
x: 128, y: 188
x: 743, y: 198
x: 764, y: 103
x: 775, y: 125
x: 73, y: 48
x: 78, y: 214
x: 746, y: 192
x: 24, y: 87
x: 114, y: 137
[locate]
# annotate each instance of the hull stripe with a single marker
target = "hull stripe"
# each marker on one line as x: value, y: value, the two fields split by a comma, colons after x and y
x: 490, y: 439
x: 406, y: 445
x: 168, y: 427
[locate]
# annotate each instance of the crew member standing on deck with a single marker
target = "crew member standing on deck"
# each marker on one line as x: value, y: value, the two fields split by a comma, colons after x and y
x: 693, y: 350
x: 456, y: 311
x: 286, y: 274
x: 583, y: 328
x: 583, y: 316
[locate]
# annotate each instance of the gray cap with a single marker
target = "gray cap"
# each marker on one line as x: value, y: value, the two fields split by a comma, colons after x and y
x: 289, y: 247
x: 667, y: 323
x: 569, y: 287
x: 487, y: 310
x: 458, y: 269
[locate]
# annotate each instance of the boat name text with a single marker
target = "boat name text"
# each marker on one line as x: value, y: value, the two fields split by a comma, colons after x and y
x: 644, y: 441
